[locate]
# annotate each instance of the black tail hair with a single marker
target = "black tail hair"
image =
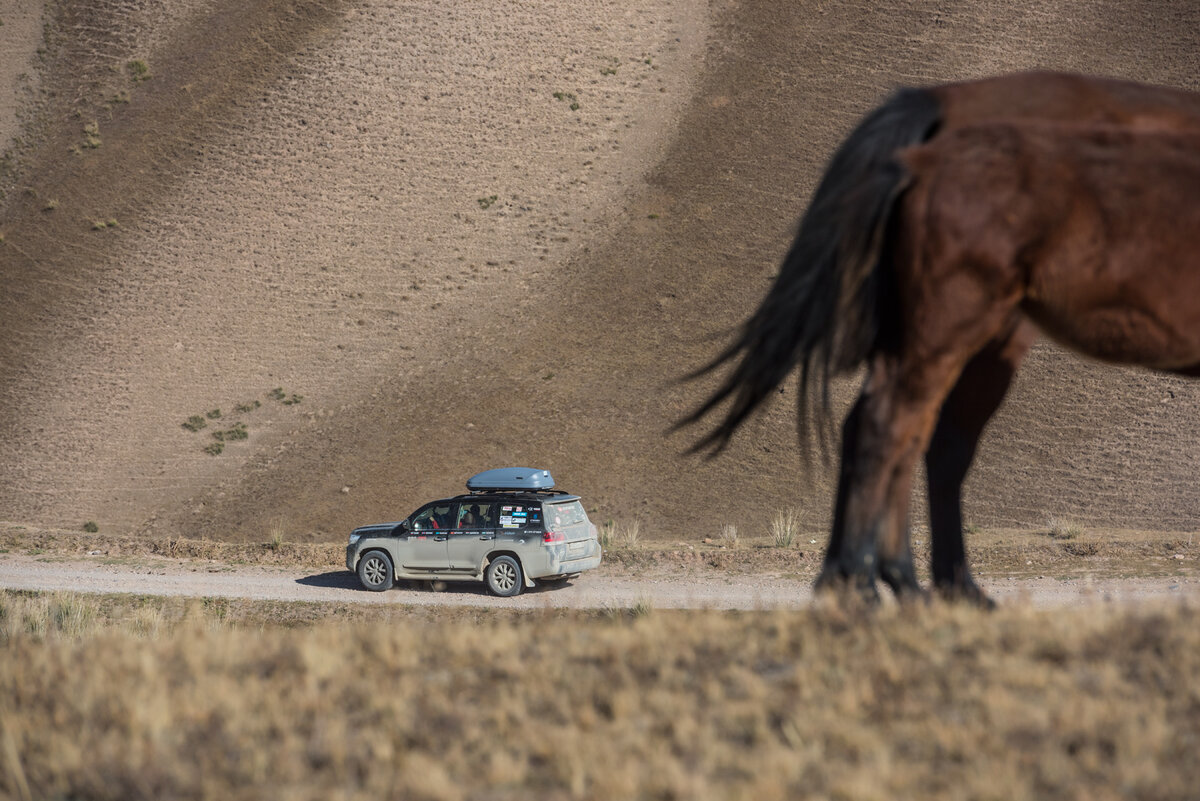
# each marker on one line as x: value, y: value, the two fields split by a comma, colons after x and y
x: 824, y: 310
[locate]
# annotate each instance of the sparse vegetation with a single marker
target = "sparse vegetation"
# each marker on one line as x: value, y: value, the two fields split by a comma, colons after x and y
x: 91, y: 135
x: 1063, y: 529
x: 50, y: 205
x: 194, y: 423
x: 568, y: 97
x: 281, y: 396
x: 91, y: 527
x: 214, y: 448
x: 729, y: 535
x: 234, y: 433
x: 604, y: 534
x: 139, y: 70
x: 276, y: 540
x: 213, y: 414
x: 629, y: 535
x: 243, y: 408
x: 785, y: 525
x: 486, y: 203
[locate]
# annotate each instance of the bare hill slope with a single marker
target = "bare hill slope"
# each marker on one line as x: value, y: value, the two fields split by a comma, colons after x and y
x: 488, y: 234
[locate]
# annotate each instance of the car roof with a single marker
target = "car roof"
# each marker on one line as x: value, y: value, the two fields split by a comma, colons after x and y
x: 550, y: 496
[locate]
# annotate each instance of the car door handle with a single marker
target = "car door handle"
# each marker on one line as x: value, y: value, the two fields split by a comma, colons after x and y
x: 442, y: 538
x: 485, y: 537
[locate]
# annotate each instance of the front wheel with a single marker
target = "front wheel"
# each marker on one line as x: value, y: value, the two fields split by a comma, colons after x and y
x: 503, y: 576
x: 375, y: 571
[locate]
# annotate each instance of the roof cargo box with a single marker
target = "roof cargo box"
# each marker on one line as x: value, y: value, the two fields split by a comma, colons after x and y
x: 511, y: 478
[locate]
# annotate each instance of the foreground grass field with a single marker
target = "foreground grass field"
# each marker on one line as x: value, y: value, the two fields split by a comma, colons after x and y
x: 126, y: 697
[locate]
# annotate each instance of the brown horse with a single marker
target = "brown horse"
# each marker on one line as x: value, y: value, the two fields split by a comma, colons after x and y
x: 950, y: 225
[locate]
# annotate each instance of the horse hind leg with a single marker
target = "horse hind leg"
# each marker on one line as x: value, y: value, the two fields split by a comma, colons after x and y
x: 851, y: 566
x: 976, y: 396
x: 882, y: 436
x: 890, y: 425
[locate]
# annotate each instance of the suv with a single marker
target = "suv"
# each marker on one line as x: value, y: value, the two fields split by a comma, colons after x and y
x: 511, y: 528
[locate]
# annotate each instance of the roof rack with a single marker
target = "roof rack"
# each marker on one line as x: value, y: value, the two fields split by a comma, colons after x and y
x: 511, y: 479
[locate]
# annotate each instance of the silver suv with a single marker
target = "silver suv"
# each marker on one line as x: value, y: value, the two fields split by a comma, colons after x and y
x: 512, y: 528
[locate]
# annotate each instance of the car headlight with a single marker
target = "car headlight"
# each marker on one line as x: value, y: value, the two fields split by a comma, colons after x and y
x: 354, y: 538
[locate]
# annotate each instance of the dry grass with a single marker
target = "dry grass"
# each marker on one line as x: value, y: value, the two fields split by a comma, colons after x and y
x: 785, y: 526
x: 1064, y: 529
x: 628, y: 535
x: 933, y: 703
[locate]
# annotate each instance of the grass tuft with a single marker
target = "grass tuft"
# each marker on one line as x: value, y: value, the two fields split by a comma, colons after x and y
x: 785, y: 526
x: 629, y: 535
x: 1064, y: 529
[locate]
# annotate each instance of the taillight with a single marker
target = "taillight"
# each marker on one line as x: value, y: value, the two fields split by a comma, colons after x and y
x: 553, y: 536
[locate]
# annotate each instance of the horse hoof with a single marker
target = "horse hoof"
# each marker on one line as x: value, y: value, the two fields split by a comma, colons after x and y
x: 848, y: 590
x: 968, y: 593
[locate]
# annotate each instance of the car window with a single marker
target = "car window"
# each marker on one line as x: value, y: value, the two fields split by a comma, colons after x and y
x: 565, y: 514
x: 438, y: 517
x: 520, y: 515
x: 476, y: 515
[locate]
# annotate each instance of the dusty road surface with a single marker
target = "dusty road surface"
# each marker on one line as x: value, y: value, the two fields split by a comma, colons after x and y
x: 605, y: 588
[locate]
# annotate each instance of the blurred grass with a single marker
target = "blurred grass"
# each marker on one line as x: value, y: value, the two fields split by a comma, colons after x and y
x: 129, y: 697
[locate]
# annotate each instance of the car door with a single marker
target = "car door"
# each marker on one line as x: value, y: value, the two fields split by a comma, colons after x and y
x: 425, y: 545
x: 473, y: 535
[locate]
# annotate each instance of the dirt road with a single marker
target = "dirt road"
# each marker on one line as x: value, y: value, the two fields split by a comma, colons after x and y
x: 606, y: 588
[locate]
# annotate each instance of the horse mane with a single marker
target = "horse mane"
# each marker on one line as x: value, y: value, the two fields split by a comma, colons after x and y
x: 823, y: 312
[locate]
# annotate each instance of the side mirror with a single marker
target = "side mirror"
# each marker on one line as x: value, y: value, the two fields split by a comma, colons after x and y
x: 400, y: 530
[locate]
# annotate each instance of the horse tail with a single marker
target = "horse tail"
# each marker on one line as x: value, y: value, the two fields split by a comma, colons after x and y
x: 826, y: 310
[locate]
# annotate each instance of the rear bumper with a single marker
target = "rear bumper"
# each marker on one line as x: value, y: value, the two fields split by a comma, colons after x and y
x: 558, y: 560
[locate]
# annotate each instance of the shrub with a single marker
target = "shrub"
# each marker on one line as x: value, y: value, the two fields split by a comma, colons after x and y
x: 784, y: 527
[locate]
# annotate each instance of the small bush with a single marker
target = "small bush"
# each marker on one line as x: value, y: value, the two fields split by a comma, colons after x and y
x: 630, y: 534
x: 605, y: 534
x: 276, y: 541
x: 729, y: 535
x: 194, y: 423
x: 233, y: 434
x: 90, y: 527
x: 215, y: 448
x: 139, y: 70
x: 785, y: 525
x: 1064, y: 529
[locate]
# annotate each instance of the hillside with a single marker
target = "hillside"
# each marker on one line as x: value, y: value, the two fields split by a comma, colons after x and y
x: 458, y: 237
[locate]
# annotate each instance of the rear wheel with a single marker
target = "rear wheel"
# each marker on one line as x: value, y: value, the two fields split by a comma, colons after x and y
x: 503, y: 576
x: 375, y: 571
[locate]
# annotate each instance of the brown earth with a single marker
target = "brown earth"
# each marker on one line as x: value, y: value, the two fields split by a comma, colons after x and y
x: 302, y: 198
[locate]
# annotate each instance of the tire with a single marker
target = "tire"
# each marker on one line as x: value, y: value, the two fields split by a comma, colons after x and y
x: 375, y: 571
x: 503, y: 577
